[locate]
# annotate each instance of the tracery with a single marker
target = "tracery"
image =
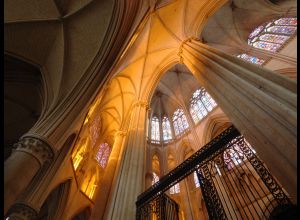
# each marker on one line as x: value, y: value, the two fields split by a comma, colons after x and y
x: 201, y: 104
x: 272, y: 35
x: 179, y: 121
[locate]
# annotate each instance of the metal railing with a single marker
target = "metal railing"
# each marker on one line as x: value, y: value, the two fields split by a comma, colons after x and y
x: 234, y: 182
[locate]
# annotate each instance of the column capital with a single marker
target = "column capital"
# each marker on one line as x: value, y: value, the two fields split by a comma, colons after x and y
x: 21, y: 211
x: 189, y: 39
x: 120, y: 133
x: 141, y: 103
x: 36, y: 147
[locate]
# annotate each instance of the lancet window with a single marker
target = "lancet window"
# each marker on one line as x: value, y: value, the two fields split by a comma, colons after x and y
x: 166, y: 128
x: 103, y: 154
x: 179, y: 122
x: 273, y: 35
x: 155, y: 133
x: 201, y: 104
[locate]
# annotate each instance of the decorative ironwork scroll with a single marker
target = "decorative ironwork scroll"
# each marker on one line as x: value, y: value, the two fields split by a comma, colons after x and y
x: 160, y: 208
x: 234, y: 183
x: 210, y: 195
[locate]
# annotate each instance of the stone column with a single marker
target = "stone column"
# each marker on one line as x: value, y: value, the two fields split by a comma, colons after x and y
x: 21, y: 211
x: 186, y: 199
x: 108, y: 178
x: 149, y: 174
x: 260, y: 103
x: 29, y: 156
x: 131, y: 176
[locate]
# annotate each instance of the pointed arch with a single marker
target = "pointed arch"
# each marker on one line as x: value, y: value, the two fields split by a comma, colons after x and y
x: 55, y: 203
x: 216, y: 124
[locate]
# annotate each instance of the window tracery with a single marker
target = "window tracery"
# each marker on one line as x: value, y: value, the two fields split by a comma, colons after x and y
x: 201, y: 104
x: 103, y: 154
x: 166, y: 128
x: 179, y: 122
x: 273, y: 35
x: 155, y: 132
x: 95, y: 130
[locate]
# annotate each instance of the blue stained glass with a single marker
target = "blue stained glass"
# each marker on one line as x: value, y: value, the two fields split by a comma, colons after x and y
x: 286, y: 21
x: 272, y: 35
x: 179, y: 122
x: 251, y: 59
x: 266, y: 46
x: 282, y: 30
x: 201, y: 104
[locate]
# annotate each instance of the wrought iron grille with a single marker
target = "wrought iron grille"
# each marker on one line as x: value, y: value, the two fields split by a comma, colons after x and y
x: 160, y: 208
x: 234, y: 182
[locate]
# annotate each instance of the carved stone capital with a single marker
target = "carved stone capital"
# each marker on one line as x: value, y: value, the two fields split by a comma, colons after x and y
x: 142, y: 103
x: 20, y: 211
x: 37, y: 148
x: 120, y: 133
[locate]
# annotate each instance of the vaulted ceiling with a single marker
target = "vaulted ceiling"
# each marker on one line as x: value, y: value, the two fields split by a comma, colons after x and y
x: 228, y: 29
x: 174, y: 91
x: 73, y: 44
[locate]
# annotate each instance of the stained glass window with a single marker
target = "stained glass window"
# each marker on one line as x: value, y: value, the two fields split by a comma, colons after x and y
x: 286, y: 21
x: 266, y: 46
x: 95, y: 129
x: 155, y: 178
x: 256, y: 31
x: 280, y: 39
x: 251, y: 59
x: 103, y: 154
x: 175, y: 189
x: 282, y: 30
x: 196, y: 180
x: 179, y: 122
x: 155, y: 134
x: 166, y: 127
x: 273, y: 35
x: 201, y: 104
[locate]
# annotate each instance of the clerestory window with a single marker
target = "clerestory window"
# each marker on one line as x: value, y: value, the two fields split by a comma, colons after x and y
x: 103, y: 154
x: 155, y: 133
x: 201, y: 104
x: 272, y: 35
x: 166, y: 127
x: 179, y: 122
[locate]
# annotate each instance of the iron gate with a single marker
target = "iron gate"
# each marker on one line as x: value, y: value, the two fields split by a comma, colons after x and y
x: 234, y: 182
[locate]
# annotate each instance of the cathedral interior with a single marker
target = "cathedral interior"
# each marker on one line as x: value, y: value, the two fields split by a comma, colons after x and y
x: 150, y: 109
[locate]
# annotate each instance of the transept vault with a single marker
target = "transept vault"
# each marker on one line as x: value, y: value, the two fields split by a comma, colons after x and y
x: 102, y: 63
